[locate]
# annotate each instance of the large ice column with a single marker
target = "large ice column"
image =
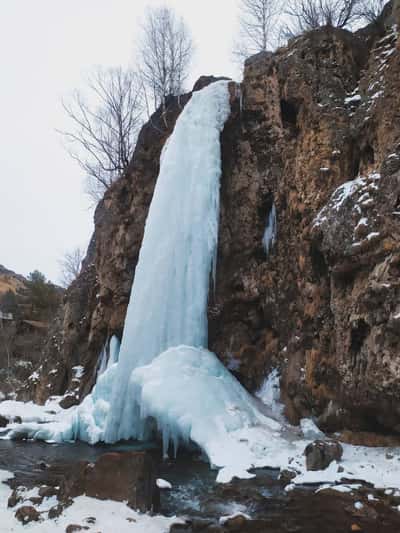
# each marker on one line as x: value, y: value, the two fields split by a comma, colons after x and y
x: 168, y: 303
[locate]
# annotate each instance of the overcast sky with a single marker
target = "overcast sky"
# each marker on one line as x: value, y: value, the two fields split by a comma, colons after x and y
x: 46, y: 49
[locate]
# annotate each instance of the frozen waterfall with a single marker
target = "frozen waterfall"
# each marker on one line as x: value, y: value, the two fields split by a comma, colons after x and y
x: 168, y: 303
x: 163, y: 378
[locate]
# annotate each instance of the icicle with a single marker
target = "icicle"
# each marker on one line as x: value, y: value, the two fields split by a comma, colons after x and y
x: 270, y: 230
x: 102, y: 362
x: 114, y: 347
x: 239, y: 96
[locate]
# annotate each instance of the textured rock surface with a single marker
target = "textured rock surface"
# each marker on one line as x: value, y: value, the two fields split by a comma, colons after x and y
x: 320, y: 454
x: 323, y: 304
x: 128, y: 476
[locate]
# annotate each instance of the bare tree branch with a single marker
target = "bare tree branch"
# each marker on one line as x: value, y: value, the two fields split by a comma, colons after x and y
x: 165, y: 55
x: 312, y: 14
x: 71, y: 266
x: 257, y: 21
x: 370, y: 10
x: 105, y: 126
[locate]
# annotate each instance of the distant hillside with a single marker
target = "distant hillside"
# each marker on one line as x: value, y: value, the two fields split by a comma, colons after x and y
x: 33, y: 302
x: 10, y: 281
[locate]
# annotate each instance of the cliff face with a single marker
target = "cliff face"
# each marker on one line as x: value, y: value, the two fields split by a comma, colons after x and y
x: 322, y: 304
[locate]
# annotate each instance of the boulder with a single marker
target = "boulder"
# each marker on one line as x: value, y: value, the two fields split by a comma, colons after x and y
x: 14, y: 499
x: 320, y: 454
x: 3, y: 421
x: 26, y: 514
x: 128, y: 476
x: 69, y: 400
x: 46, y: 492
x: 72, y: 528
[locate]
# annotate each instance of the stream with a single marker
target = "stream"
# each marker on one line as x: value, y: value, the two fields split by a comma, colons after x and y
x: 196, y: 495
x: 194, y: 491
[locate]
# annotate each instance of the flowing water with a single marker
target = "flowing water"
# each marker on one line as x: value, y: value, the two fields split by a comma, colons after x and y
x: 194, y: 490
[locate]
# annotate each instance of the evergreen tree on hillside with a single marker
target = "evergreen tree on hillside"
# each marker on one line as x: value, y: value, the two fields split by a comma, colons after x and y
x: 43, y: 296
x: 9, y: 303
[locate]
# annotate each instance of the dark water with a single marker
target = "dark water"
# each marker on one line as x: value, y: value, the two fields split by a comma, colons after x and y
x: 194, y: 489
x: 195, y: 492
x: 28, y: 460
x: 196, y: 495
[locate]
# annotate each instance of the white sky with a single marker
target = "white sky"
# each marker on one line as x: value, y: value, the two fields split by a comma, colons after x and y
x: 46, y: 48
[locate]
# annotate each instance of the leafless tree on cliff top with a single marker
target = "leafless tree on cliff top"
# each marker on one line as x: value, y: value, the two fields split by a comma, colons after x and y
x: 370, y: 10
x: 257, y: 19
x: 311, y: 14
x: 165, y: 54
x: 105, y: 127
x: 71, y: 266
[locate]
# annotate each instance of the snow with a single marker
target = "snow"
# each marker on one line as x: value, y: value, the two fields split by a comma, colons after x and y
x: 362, y: 222
x: 357, y: 189
x: 358, y: 505
x: 340, y: 488
x: 78, y: 371
x: 269, y: 237
x: 310, y: 430
x: 110, y: 516
x: 346, y: 190
x: 358, y: 463
x: 266, y: 443
x: 224, y: 519
x: 162, y: 484
x: 29, y: 411
x: 350, y: 99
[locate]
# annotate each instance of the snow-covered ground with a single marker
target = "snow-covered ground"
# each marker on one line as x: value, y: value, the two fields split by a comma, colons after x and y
x: 109, y: 515
x: 233, y: 442
x: 29, y: 411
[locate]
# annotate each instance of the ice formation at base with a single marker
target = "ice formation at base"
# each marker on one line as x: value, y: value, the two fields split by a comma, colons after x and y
x: 192, y: 397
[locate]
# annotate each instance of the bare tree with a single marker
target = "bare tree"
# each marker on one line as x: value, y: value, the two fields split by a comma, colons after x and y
x: 71, y: 266
x: 370, y: 10
x: 105, y: 126
x: 257, y: 21
x: 165, y: 54
x: 311, y: 14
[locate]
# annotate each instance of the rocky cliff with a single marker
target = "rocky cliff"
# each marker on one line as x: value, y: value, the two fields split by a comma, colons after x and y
x: 313, y: 137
